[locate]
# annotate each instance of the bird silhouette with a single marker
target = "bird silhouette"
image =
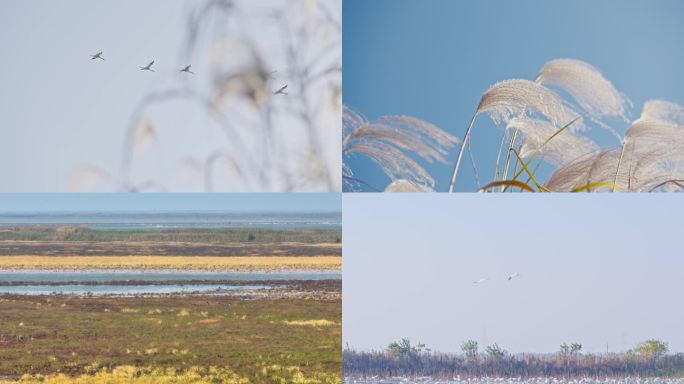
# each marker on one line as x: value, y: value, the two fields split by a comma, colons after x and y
x: 187, y: 69
x: 513, y: 276
x: 281, y: 91
x: 97, y: 56
x: 148, y: 67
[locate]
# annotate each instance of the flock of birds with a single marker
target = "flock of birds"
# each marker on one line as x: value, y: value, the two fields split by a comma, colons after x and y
x: 509, y: 278
x: 148, y: 67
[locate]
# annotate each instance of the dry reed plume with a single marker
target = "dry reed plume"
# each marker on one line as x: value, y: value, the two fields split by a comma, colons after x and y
x: 385, y: 142
x: 544, y: 121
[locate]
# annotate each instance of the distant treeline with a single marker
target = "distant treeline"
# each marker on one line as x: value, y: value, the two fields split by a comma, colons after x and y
x: 419, y: 362
x: 51, y: 233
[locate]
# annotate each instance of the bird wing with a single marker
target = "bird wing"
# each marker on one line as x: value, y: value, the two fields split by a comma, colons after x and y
x: 188, y: 67
x: 283, y: 88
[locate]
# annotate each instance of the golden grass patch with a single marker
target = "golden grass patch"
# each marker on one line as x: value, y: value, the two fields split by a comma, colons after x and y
x: 311, y: 323
x: 202, y: 263
x: 149, y: 375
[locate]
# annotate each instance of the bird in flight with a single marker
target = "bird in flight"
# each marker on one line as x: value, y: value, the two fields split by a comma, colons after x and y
x: 480, y: 281
x: 281, y: 91
x: 97, y: 56
x: 187, y: 69
x: 148, y: 67
x: 513, y: 276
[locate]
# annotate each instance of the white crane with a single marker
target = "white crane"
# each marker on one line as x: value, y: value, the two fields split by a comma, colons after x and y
x: 187, y: 69
x: 97, y: 56
x: 513, y: 276
x: 281, y: 91
x: 148, y: 67
x: 480, y: 281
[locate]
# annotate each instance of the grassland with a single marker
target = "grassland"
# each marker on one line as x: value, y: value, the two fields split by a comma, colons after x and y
x: 289, y: 333
x: 169, y: 339
x: 206, y: 263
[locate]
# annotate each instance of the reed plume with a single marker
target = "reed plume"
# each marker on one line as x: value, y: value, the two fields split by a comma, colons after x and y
x: 386, y: 141
x: 591, y: 90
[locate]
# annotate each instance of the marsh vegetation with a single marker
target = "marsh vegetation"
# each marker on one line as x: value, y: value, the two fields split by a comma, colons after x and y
x: 176, y: 338
x: 404, y: 359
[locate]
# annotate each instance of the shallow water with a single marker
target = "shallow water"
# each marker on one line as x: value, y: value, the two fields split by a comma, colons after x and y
x: 130, y: 283
x: 122, y: 290
x: 184, y: 220
x: 152, y: 275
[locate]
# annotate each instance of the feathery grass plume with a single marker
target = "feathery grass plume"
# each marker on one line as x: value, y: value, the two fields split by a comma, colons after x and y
x: 238, y: 71
x: 392, y: 162
x: 402, y: 185
x: 654, y: 152
x: 512, y: 98
x: 386, y: 140
x: 518, y: 97
x: 143, y: 135
x: 593, y: 93
x: 663, y: 110
x: 564, y: 147
x: 85, y: 177
x: 598, y: 167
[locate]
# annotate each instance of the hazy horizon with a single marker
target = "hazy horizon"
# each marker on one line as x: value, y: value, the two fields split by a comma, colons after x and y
x: 136, y: 203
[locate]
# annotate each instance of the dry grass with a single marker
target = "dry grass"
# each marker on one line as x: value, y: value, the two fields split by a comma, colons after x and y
x: 311, y: 323
x: 203, y: 263
x: 147, y: 375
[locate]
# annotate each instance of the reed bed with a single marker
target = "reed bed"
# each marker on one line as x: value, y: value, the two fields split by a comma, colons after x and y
x: 384, y: 364
x: 199, y: 263
x: 547, y: 121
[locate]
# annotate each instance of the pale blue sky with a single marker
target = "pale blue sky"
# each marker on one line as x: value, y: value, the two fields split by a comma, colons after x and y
x: 600, y: 270
x: 433, y: 59
x: 169, y: 202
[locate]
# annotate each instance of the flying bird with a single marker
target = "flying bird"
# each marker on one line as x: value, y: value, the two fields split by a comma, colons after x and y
x: 148, y: 67
x: 281, y: 91
x: 480, y: 281
x: 187, y: 69
x: 97, y: 56
x: 513, y: 276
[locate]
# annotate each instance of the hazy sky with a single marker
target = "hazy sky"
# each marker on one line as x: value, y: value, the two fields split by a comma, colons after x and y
x: 168, y: 202
x: 433, y: 59
x: 600, y: 270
